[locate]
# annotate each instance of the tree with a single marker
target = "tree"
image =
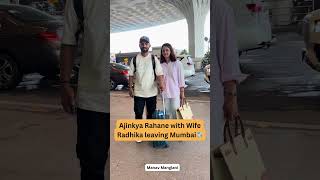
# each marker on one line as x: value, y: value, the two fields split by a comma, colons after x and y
x: 184, y: 52
x: 206, y: 60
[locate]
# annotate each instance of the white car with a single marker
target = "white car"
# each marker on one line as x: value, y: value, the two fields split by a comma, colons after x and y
x: 188, y: 65
x: 253, y: 28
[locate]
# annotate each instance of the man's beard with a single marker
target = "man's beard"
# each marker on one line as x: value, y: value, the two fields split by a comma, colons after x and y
x: 144, y: 50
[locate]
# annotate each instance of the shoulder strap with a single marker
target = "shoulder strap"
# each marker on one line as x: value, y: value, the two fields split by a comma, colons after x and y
x: 135, y: 63
x: 154, y: 66
x: 78, y: 7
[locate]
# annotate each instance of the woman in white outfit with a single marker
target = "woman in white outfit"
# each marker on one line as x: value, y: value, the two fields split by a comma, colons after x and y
x: 226, y: 71
x: 174, y: 80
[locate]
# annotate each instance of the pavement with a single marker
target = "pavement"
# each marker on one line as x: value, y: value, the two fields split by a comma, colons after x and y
x: 279, y: 101
x: 287, y: 28
x: 279, y: 81
x: 37, y: 143
x: 289, y: 154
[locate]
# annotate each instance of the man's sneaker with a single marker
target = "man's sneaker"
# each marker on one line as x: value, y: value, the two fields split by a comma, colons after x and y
x: 138, y: 141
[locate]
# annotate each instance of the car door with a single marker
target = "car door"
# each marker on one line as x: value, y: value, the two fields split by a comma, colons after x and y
x: 8, y: 31
x: 20, y: 41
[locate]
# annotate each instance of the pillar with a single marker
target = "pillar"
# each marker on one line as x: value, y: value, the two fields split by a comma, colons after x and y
x: 195, y: 12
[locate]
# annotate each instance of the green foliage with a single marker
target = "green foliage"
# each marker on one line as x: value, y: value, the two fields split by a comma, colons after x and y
x: 184, y: 52
x: 205, y: 60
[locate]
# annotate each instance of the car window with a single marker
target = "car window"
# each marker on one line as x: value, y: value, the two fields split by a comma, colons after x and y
x: 28, y: 14
x: 120, y: 66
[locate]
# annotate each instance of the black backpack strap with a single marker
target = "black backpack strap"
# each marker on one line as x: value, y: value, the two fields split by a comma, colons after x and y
x: 154, y: 66
x: 135, y: 64
x: 78, y: 7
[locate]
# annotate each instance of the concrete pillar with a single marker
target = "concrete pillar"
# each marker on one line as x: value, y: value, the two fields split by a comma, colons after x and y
x: 195, y: 12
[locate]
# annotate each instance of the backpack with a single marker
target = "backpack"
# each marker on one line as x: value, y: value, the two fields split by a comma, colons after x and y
x: 78, y: 8
x: 153, y: 65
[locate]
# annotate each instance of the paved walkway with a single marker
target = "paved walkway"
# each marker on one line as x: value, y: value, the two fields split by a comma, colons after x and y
x: 37, y: 145
x: 289, y: 154
x: 38, y: 142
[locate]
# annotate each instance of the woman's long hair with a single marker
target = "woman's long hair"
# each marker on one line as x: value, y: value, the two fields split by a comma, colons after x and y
x: 172, y: 55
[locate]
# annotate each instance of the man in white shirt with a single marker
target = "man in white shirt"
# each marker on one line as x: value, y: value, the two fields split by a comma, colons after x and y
x: 144, y: 75
x: 92, y: 101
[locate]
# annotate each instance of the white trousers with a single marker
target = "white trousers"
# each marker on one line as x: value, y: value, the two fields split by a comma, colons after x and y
x: 171, y: 106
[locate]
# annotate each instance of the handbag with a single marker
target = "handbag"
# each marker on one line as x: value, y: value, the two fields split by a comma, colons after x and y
x: 184, y: 112
x: 238, y: 158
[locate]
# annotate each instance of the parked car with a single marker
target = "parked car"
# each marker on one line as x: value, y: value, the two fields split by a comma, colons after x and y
x: 119, y: 75
x: 253, y: 28
x: 29, y: 43
x: 188, y: 65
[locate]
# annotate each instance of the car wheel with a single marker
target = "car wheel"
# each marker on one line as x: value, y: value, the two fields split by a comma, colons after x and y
x: 113, y: 85
x: 10, y: 75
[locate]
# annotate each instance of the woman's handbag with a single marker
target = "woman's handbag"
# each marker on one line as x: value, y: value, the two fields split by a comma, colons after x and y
x: 238, y: 158
x: 184, y: 112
